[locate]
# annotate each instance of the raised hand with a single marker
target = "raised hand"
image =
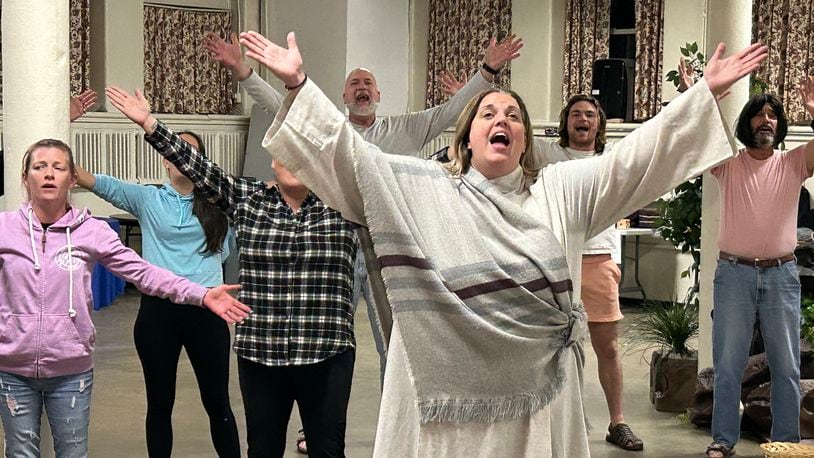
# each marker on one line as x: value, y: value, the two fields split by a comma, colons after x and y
x: 82, y: 104
x: 135, y: 107
x: 720, y: 73
x: 498, y: 54
x: 286, y: 64
x: 686, y: 75
x: 806, y: 91
x: 449, y: 84
x: 222, y: 304
x: 227, y: 53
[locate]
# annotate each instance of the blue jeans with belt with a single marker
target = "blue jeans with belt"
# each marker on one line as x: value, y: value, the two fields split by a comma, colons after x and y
x: 743, y: 293
x: 67, y: 404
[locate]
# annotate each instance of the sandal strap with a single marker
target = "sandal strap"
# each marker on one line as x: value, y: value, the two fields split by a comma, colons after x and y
x: 722, y: 447
x: 622, y: 435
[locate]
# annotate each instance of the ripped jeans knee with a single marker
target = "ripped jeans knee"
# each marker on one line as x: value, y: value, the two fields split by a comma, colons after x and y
x: 66, y: 401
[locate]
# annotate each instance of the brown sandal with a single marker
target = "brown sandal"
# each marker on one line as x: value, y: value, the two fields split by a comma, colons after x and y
x: 721, y: 447
x: 621, y: 436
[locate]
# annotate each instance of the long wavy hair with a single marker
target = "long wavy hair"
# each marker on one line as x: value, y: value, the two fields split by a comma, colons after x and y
x: 462, y: 154
x: 213, y: 220
x: 562, y: 130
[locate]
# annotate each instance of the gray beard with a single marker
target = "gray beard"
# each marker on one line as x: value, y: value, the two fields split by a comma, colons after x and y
x: 764, y: 141
x: 355, y: 110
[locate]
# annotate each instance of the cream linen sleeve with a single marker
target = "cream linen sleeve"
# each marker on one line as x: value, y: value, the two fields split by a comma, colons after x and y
x: 688, y: 137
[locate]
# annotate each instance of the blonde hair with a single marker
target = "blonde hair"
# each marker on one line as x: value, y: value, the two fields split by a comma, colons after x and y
x: 461, y: 154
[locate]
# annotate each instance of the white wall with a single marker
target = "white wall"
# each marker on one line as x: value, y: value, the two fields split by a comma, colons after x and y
x: 419, y: 53
x: 321, y: 29
x: 378, y: 39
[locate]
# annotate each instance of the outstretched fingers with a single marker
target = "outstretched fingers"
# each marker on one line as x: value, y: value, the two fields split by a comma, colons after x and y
x: 219, y: 301
x: 720, y: 73
x: 286, y: 64
x: 88, y: 99
x: 116, y: 95
x: 255, y: 42
x: 752, y: 57
x: 512, y: 45
x: 806, y: 88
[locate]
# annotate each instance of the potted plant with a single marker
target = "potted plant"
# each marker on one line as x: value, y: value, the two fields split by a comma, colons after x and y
x: 667, y: 328
x: 679, y: 222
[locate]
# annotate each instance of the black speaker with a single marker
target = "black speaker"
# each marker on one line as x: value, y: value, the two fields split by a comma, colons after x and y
x: 612, y: 85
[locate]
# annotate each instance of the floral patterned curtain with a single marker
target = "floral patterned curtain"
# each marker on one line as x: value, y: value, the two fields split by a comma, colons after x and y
x: 79, y: 33
x: 459, y: 33
x: 80, y: 46
x: 179, y: 76
x: 649, y: 44
x: 787, y: 28
x: 587, y: 38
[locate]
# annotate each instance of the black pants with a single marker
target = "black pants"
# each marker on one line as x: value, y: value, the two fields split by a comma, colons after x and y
x: 161, y: 329
x: 322, y: 391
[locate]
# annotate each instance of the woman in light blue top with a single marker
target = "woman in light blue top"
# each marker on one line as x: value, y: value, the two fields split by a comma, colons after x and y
x: 184, y: 233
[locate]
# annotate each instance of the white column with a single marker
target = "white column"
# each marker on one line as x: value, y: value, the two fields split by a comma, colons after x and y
x: 728, y: 21
x: 35, y: 82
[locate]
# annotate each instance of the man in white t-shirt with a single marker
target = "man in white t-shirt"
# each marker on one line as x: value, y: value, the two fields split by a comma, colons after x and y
x: 582, y: 136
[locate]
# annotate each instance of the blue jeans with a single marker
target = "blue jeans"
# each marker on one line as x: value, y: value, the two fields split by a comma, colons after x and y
x: 743, y: 293
x: 67, y: 403
x: 361, y: 287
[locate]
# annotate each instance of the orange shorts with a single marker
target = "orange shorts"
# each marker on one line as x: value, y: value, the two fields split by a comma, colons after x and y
x: 600, y: 288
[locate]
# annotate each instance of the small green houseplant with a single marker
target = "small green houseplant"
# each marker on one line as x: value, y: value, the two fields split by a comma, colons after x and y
x: 696, y: 60
x: 667, y: 328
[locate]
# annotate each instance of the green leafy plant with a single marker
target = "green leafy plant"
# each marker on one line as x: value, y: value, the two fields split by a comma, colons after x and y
x: 697, y: 61
x: 757, y: 86
x: 807, y: 312
x: 679, y: 222
x: 666, y: 326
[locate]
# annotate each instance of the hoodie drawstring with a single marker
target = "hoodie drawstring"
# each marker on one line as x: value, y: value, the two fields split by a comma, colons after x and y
x: 71, y: 310
x: 33, y: 244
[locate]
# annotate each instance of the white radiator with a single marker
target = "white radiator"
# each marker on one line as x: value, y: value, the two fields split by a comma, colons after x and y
x: 119, y: 149
x: 445, y: 139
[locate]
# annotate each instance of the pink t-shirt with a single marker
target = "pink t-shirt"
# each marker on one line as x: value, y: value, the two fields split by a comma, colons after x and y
x: 759, y: 203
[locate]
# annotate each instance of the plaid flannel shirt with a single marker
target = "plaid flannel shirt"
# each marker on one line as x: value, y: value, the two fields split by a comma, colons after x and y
x: 296, y: 269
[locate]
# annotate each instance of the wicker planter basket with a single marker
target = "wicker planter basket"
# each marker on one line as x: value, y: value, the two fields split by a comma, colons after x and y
x: 786, y: 450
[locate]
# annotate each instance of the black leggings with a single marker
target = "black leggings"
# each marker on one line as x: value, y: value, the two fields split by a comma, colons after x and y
x: 322, y: 392
x: 161, y: 329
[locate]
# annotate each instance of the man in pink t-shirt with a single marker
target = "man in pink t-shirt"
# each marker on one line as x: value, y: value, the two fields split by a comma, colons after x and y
x: 757, y: 273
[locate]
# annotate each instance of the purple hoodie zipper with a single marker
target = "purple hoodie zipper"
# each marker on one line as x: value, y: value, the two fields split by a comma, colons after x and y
x: 42, y: 311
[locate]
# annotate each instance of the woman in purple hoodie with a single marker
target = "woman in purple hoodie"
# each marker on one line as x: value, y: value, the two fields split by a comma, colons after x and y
x: 47, y: 251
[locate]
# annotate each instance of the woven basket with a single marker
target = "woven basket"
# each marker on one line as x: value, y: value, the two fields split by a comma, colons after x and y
x: 786, y: 450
